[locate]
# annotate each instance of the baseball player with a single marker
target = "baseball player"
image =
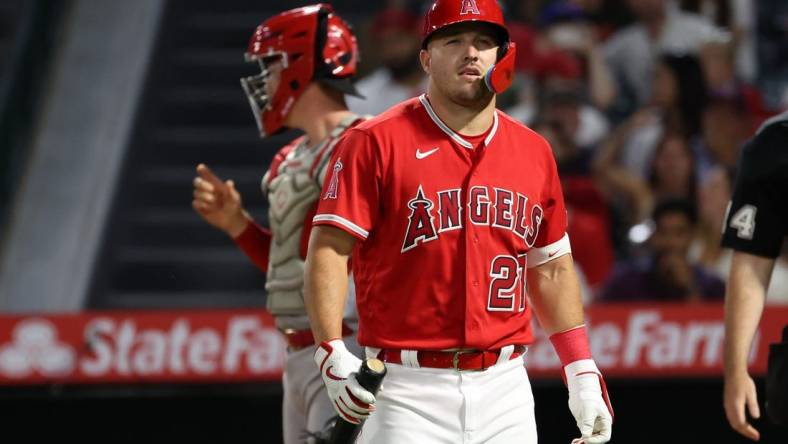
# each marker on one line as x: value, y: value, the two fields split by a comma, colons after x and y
x: 449, y: 206
x: 756, y: 224
x: 308, y: 57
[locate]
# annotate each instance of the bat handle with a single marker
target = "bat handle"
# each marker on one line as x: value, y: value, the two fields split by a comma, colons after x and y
x: 369, y: 376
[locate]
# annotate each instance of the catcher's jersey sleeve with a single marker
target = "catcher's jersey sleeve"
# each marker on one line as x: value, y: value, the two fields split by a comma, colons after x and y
x: 756, y: 221
x: 350, y: 197
x: 255, y: 242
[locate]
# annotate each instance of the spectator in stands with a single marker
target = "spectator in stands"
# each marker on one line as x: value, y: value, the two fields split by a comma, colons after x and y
x: 726, y: 126
x: 567, y: 27
x: 671, y: 174
x: 667, y: 273
x: 661, y: 27
x: 737, y: 16
x: 570, y: 159
x: 588, y: 219
x: 396, y: 41
x: 563, y: 105
x: 722, y: 80
x: 678, y: 98
x: 565, y: 57
x: 772, y: 39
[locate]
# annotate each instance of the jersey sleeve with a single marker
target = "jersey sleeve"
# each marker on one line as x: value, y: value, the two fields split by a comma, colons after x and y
x: 757, y: 217
x: 551, y: 239
x: 350, y: 197
x: 255, y: 242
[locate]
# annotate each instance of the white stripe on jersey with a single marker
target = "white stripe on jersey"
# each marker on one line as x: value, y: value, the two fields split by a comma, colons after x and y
x: 341, y: 221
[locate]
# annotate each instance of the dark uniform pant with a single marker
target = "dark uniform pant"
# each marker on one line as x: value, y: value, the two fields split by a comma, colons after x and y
x: 777, y: 381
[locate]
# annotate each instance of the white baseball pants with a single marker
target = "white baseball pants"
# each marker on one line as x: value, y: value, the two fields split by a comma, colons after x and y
x: 427, y: 405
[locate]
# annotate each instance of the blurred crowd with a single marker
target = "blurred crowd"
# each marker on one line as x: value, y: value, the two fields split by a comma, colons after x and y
x: 646, y: 104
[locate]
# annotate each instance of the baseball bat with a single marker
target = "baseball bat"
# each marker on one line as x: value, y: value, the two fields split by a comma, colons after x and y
x: 369, y: 376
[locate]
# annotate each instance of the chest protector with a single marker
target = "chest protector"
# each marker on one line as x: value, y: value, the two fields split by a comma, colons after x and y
x: 292, y: 188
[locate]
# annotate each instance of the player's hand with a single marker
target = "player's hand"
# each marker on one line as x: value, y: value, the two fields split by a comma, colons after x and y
x: 219, y: 203
x: 338, y: 367
x: 589, y: 402
x: 740, y: 391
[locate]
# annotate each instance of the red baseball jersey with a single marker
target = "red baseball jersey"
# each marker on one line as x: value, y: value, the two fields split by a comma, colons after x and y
x: 446, y: 229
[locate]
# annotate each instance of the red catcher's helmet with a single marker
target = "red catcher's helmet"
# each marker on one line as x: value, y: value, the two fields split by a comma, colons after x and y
x: 445, y: 13
x: 312, y: 43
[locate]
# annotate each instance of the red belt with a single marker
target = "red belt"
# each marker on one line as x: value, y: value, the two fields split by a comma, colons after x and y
x: 458, y: 360
x: 297, y: 339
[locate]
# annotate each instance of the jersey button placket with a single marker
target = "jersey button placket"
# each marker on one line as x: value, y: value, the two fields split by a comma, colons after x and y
x: 473, y: 290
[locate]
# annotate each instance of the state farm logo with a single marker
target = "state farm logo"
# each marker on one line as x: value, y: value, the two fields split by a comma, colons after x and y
x: 122, y: 348
x: 34, y: 347
x: 646, y: 339
x: 154, y: 347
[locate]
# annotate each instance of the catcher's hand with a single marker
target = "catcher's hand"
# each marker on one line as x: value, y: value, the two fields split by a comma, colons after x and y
x: 338, y: 367
x: 589, y: 402
x: 219, y: 203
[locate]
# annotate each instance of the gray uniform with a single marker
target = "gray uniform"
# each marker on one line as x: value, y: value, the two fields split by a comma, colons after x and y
x: 292, y: 187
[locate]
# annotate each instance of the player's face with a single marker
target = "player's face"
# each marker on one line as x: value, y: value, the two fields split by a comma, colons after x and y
x: 274, y: 66
x: 457, y: 59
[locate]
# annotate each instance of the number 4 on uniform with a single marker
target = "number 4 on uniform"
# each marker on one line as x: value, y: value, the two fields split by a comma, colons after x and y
x: 744, y: 221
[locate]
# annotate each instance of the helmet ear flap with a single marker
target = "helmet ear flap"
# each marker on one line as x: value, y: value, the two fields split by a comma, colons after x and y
x: 500, y: 76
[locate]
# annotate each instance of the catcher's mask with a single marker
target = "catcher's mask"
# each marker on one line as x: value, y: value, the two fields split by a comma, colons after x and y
x: 310, y: 43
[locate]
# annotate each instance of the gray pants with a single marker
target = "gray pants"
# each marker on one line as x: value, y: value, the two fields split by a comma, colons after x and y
x: 306, y: 407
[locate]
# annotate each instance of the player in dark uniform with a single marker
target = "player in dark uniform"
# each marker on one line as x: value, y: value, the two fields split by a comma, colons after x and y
x: 755, y: 226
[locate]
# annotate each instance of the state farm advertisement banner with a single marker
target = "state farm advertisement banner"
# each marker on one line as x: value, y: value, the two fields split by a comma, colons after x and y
x: 134, y: 346
x: 219, y: 346
x: 676, y: 340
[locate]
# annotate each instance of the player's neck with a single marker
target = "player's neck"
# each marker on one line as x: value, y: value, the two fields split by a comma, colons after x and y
x: 462, y: 119
x: 316, y: 114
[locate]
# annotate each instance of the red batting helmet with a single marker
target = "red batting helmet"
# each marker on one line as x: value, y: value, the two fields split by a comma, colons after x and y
x: 445, y: 13
x: 312, y: 43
